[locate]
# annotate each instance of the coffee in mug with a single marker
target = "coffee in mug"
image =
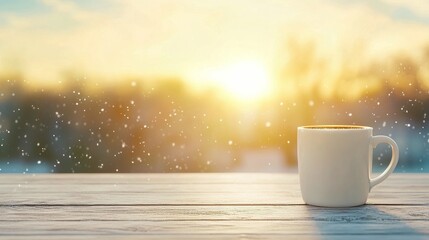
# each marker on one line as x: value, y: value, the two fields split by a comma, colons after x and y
x: 335, y: 164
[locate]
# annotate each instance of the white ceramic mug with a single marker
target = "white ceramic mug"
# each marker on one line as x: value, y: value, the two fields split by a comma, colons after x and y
x: 335, y: 164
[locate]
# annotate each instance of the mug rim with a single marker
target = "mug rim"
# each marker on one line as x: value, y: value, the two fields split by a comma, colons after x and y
x: 336, y: 127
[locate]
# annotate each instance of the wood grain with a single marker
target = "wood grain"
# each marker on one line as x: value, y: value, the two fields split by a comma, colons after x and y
x: 196, y: 206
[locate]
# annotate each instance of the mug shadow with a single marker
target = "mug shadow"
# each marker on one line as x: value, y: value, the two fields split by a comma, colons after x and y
x: 363, y: 222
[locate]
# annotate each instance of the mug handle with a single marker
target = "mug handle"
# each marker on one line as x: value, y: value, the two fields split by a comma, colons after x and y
x: 395, y: 156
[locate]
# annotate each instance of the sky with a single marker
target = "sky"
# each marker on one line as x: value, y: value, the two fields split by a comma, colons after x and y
x: 205, y: 42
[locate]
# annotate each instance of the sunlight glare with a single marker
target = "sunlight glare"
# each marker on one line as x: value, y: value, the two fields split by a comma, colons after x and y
x: 243, y: 80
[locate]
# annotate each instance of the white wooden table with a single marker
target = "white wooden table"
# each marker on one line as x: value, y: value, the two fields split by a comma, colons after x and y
x: 195, y: 206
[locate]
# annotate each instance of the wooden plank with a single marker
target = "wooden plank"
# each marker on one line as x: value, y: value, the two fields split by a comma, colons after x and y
x: 216, y: 236
x: 176, y: 206
x: 363, y: 214
x: 186, y: 198
x: 152, y: 188
x: 146, y: 199
x: 43, y: 227
x: 279, y: 189
x: 185, y: 178
x: 183, y: 188
x: 148, y: 178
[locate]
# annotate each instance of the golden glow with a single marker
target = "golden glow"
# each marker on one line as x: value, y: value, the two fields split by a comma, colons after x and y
x: 213, y: 43
x: 246, y: 80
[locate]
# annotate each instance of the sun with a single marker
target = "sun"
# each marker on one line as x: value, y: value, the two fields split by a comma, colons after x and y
x: 245, y: 80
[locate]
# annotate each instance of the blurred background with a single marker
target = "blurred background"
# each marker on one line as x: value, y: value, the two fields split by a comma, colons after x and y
x: 206, y: 85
